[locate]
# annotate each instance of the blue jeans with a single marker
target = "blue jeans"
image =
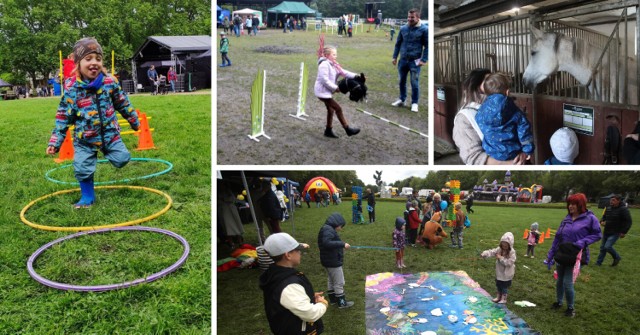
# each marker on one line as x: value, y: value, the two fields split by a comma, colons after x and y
x: 255, y: 30
x: 236, y: 29
x: 173, y: 85
x: 608, y: 241
x: 405, y: 67
x: 85, y: 158
x: 564, y: 285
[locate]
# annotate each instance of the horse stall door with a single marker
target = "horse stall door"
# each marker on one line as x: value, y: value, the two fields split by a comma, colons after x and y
x: 445, y: 109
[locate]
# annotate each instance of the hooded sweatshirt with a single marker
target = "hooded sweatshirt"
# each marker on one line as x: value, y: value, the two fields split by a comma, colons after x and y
x: 289, y: 302
x: 505, y: 267
x: 329, y: 242
x: 327, y: 76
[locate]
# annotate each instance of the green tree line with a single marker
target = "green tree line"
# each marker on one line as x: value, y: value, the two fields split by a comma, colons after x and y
x: 396, y: 9
x: 32, y: 32
x: 557, y: 184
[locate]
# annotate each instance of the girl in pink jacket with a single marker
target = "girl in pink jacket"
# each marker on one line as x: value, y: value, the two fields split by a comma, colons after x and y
x: 328, y: 72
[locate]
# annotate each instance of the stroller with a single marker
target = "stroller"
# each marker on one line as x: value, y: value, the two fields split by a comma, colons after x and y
x: 163, y: 86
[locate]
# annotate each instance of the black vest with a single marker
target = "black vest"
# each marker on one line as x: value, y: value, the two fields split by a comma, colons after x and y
x: 281, y: 320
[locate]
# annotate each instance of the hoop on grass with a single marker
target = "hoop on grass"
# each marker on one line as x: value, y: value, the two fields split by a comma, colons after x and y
x: 108, y: 287
x: 126, y: 180
x: 122, y: 224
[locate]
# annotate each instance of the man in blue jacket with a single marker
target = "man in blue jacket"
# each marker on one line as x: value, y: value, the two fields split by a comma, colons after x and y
x: 412, y: 46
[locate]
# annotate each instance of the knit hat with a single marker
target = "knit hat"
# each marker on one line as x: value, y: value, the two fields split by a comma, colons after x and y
x: 279, y: 243
x: 84, y: 47
x: 534, y: 226
x: 564, y: 145
x: 399, y: 223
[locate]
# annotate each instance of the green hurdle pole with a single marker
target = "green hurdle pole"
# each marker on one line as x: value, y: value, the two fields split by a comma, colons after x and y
x: 302, y: 93
x: 257, y: 106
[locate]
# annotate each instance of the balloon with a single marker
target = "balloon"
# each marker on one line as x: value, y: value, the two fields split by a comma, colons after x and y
x: 443, y: 205
x: 286, y: 200
x: 240, y: 197
x: 244, y: 192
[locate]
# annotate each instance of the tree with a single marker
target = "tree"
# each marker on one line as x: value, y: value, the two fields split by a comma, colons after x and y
x: 33, y: 32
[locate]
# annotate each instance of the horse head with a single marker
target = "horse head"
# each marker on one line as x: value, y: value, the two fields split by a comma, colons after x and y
x: 544, y: 58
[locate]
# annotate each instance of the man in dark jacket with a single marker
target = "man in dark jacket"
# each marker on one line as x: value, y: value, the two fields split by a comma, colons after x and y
x: 469, y: 203
x: 617, y: 222
x: 371, y: 201
x: 291, y: 305
x: 332, y: 257
x: 270, y: 207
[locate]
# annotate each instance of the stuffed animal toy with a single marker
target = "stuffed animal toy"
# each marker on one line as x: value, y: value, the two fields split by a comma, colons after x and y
x: 433, y: 232
x: 356, y: 87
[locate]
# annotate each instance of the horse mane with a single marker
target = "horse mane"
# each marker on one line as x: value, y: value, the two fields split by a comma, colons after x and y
x: 578, y: 46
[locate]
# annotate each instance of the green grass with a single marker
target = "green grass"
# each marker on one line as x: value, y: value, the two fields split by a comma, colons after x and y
x: 177, y: 304
x: 606, y: 297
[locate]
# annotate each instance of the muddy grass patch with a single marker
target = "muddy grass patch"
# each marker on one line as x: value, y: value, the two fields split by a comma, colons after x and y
x: 280, y: 49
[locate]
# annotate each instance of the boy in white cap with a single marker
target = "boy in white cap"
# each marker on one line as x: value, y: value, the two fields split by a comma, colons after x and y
x: 224, y: 49
x: 291, y: 305
x: 565, y: 147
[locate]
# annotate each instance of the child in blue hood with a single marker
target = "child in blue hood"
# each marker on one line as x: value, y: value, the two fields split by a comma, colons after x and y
x: 332, y: 258
x: 505, y: 129
x: 89, y: 103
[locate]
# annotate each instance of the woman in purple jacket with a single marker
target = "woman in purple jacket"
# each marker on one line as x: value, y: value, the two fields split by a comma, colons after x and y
x: 578, y: 229
x: 328, y: 72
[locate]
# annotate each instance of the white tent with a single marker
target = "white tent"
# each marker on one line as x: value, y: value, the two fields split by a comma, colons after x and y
x: 248, y: 11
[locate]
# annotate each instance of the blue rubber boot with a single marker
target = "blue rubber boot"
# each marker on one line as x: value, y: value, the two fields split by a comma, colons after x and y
x: 88, y: 195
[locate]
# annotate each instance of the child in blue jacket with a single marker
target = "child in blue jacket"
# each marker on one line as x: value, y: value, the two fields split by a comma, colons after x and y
x: 505, y: 128
x: 89, y: 103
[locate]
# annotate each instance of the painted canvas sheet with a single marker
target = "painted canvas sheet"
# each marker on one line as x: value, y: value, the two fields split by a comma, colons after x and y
x: 430, y: 303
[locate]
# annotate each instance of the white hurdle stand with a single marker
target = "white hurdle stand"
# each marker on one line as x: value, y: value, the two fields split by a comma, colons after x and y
x: 257, y: 107
x: 302, y: 93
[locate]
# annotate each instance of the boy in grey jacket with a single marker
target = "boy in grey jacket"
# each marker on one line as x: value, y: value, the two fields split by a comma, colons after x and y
x: 332, y: 258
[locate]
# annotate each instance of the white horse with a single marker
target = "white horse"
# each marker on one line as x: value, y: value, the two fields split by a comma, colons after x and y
x: 553, y: 52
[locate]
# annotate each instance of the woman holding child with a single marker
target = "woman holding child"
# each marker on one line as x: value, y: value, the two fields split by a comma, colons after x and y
x: 466, y: 132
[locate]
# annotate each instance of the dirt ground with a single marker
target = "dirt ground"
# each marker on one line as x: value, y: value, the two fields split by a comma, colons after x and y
x: 298, y: 142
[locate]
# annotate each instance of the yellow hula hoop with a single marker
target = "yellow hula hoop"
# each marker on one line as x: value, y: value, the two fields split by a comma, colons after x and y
x: 122, y: 224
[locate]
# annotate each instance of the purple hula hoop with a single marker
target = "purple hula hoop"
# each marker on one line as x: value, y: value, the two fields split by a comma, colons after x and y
x: 101, y: 288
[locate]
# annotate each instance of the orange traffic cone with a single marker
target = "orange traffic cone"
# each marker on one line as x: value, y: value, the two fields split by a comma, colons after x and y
x: 548, y: 234
x: 145, y: 142
x: 541, y: 239
x: 66, y: 150
x: 526, y: 234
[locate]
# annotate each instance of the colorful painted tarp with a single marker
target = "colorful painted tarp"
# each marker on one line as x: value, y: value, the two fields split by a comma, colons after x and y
x: 430, y: 303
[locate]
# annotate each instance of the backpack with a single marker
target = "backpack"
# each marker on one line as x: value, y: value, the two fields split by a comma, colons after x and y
x: 467, y: 222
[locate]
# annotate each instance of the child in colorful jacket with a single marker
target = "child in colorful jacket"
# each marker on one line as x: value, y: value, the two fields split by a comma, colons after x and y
x: 89, y: 103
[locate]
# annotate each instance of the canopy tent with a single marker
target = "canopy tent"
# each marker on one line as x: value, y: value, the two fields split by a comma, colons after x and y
x: 221, y: 13
x: 4, y: 83
x: 181, y: 52
x: 248, y: 11
x: 318, y: 184
x: 289, y: 8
